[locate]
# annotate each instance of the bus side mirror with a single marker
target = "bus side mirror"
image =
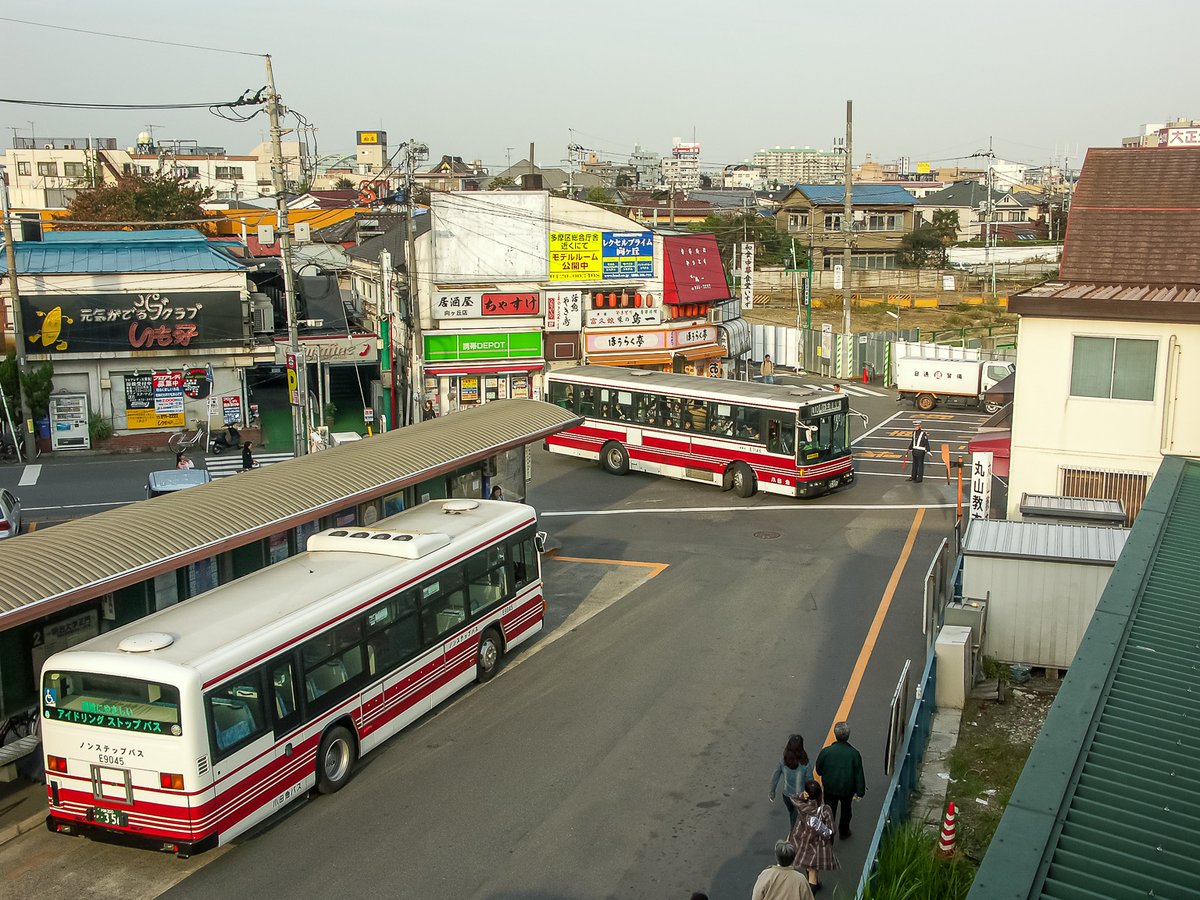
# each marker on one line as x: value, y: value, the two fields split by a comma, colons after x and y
x: 539, y: 541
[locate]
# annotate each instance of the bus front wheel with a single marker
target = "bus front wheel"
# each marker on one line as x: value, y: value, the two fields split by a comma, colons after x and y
x: 487, y: 659
x: 743, y: 480
x: 335, y: 760
x: 614, y: 458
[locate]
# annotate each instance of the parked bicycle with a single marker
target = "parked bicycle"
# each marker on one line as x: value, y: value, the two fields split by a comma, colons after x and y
x: 181, y: 441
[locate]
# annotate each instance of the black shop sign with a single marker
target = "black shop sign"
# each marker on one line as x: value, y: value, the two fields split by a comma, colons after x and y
x: 116, y: 323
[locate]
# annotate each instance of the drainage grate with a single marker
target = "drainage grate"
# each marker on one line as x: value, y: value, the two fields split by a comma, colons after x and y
x: 766, y: 535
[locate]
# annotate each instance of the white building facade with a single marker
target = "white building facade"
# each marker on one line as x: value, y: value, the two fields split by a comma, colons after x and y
x: 800, y: 165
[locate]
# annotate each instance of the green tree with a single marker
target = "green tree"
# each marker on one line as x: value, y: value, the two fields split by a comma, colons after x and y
x: 502, y: 181
x: 598, y: 195
x: 772, y: 247
x: 38, y: 382
x: 623, y: 180
x: 136, y: 199
x: 945, y: 222
x: 922, y: 248
x: 343, y: 184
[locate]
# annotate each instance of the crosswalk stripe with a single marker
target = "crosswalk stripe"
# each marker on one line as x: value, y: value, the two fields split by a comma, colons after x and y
x: 231, y: 463
x: 853, y: 389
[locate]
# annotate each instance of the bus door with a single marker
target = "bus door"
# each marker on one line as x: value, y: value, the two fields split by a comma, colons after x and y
x: 781, y: 434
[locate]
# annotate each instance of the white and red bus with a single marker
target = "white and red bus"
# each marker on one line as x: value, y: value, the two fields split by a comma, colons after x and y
x: 185, y: 728
x: 742, y: 436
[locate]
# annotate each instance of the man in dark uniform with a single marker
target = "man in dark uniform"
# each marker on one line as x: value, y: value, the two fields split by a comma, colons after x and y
x: 918, y: 447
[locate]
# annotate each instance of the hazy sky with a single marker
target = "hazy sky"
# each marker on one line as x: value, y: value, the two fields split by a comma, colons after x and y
x: 931, y: 80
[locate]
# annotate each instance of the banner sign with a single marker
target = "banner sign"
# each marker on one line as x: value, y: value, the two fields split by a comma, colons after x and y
x: 652, y: 340
x: 231, y: 410
x: 981, y: 485
x: 609, y: 318
x: 291, y: 360
x: 693, y: 269
x: 476, y: 304
x: 601, y: 255
x: 196, y: 383
x: 499, y: 345
x: 564, y: 310
x: 154, y: 400
x: 360, y: 348
x: 748, y: 275
x: 116, y: 323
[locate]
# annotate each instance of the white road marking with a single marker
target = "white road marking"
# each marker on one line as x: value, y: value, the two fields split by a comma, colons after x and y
x: 726, y: 509
x: 30, y: 475
x: 871, y: 431
x: 80, y: 505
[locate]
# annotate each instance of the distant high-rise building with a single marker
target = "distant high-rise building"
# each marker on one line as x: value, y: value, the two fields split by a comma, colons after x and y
x: 646, y: 166
x: 681, y: 170
x: 799, y: 165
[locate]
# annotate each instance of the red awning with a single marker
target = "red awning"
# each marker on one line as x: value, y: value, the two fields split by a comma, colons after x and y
x: 693, y: 270
x: 999, y: 444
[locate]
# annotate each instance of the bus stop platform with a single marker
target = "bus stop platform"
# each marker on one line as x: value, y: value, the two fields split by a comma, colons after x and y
x: 22, y: 807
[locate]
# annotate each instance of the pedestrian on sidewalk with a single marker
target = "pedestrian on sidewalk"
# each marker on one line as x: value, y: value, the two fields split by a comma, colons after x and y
x: 767, y: 370
x: 782, y: 881
x: 795, y: 771
x: 841, y: 769
x: 813, y: 836
x: 248, y: 462
x: 918, y: 446
x: 182, y: 462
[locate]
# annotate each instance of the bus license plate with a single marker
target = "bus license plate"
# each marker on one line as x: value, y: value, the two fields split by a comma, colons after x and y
x: 108, y: 816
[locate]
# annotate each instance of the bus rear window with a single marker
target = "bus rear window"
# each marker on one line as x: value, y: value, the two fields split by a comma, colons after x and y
x: 111, y: 701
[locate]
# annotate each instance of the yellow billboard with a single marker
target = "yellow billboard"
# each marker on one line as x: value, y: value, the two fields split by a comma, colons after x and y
x: 576, y: 256
x: 922, y: 168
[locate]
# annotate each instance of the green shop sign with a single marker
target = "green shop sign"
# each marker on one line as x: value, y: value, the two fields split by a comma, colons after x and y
x: 501, y: 345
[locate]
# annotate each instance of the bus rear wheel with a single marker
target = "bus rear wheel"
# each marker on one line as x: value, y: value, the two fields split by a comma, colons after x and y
x: 743, y: 480
x: 614, y: 458
x: 335, y: 760
x: 487, y: 658
x: 926, y: 402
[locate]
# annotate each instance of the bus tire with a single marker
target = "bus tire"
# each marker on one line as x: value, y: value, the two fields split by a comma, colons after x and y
x: 614, y: 458
x: 335, y: 760
x: 743, y: 480
x: 488, y: 656
x: 727, y: 479
x: 926, y: 402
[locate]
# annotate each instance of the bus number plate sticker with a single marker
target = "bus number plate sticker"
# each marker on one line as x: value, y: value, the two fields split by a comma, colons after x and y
x: 104, y: 816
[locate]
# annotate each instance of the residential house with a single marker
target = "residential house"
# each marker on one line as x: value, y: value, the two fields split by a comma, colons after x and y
x: 450, y: 173
x: 966, y: 198
x: 551, y: 179
x: 743, y: 175
x: 652, y: 209
x: 882, y: 214
x: 1106, y: 352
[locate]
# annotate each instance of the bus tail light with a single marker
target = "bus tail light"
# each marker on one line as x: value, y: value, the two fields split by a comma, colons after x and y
x: 56, y: 763
x: 171, y: 781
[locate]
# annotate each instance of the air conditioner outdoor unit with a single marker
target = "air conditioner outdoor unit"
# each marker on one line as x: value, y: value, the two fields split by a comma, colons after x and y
x: 47, y: 146
x: 860, y: 215
x: 262, y: 315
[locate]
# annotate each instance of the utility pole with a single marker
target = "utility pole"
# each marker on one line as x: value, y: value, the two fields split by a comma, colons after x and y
x: 416, y: 368
x: 279, y: 183
x: 671, y: 189
x: 847, y: 220
x: 990, y: 244
x: 531, y: 166
x: 14, y: 292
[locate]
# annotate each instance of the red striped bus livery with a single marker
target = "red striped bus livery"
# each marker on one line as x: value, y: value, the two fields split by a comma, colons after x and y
x: 742, y: 436
x: 181, y: 730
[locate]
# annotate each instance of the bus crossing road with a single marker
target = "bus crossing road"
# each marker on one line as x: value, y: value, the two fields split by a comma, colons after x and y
x: 628, y: 750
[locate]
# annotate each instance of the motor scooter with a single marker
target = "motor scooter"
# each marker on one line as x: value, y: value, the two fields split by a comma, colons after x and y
x: 229, y: 439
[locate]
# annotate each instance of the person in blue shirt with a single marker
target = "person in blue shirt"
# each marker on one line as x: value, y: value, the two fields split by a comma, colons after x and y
x: 794, y: 770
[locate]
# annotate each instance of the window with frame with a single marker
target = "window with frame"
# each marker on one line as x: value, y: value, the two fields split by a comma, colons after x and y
x: 833, y: 221
x: 781, y: 433
x: 720, y: 421
x: 1113, y: 368
x: 616, y: 406
x: 747, y: 422
x: 332, y: 661
x: 525, y: 560
x: 797, y: 221
x: 885, y: 222
x: 236, y: 713
x: 47, y: 168
x: 487, y: 579
x: 74, y: 169
x: 562, y: 395
x: 443, y: 605
x: 229, y: 172
x: 23, y: 168
x: 393, y: 633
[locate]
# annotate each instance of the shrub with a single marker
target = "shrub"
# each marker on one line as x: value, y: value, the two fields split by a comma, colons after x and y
x: 909, y: 868
x: 99, y: 428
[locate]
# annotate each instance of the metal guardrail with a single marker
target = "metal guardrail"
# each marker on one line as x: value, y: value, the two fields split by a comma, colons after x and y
x: 896, y: 803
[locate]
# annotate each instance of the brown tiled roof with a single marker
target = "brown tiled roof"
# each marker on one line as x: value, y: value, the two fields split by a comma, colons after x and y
x: 1135, y: 218
x: 1093, y: 300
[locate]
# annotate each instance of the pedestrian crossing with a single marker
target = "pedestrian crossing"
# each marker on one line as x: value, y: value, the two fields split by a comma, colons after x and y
x: 231, y: 463
x: 854, y: 390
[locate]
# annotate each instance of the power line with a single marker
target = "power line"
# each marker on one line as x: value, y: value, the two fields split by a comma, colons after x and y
x: 247, y: 99
x: 126, y: 37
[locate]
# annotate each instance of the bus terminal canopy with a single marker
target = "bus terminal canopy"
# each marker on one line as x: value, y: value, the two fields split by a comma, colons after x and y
x: 50, y: 570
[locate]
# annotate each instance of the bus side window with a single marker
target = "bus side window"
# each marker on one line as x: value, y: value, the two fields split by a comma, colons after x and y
x: 643, y: 409
x: 394, y: 634
x: 443, y: 605
x: 487, y: 579
x: 780, y: 436
x: 332, y: 661
x: 696, y: 416
x: 283, y: 693
x: 587, y: 401
x: 747, y: 423
x: 561, y: 395
x: 236, y: 713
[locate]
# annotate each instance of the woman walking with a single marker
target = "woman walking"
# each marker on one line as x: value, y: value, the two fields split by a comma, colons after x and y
x: 813, y: 835
x: 795, y: 771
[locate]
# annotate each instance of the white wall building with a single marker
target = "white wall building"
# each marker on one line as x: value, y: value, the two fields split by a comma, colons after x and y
x: 681, y: 170
x: 800, y: 165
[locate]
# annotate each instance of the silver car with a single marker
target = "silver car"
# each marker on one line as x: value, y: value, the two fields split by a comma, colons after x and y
x: 10, y: 515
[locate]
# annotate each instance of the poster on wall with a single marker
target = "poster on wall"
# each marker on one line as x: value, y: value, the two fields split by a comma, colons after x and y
x: 231, y: 410
x: 601, y: 255
x: 520, y: 387
x: 468, y: 389
x: 154, y: 400
x: 563, y: 310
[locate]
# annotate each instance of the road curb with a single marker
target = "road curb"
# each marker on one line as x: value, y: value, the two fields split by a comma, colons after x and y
x: 12, y: 832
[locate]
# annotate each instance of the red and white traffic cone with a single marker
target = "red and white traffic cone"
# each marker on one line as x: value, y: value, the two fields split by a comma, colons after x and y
x: 946, y: 844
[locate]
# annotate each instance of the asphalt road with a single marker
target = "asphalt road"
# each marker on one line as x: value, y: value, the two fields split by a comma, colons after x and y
x: 628, y: 751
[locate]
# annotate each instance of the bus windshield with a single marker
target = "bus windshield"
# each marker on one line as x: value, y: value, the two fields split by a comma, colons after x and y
x: 111, y: 701
x: 823, y: 436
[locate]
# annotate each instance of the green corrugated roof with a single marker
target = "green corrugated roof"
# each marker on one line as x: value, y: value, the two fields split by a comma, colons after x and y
x: 1108, y: 805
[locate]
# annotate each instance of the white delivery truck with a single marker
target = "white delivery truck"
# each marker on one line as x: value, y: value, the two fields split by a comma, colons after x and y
x: 950, y: 382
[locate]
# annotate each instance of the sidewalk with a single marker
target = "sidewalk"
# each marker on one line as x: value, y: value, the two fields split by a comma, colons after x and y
x: 929, y: 802
x: 22, y: 808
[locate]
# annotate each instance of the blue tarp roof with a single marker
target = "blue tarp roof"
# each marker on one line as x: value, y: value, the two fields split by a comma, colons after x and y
x: 86, y: 252
x: 860, y: 194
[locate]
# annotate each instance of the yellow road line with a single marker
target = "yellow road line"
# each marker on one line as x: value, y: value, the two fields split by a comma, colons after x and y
x: 868, y: 647
x: 657, y: 567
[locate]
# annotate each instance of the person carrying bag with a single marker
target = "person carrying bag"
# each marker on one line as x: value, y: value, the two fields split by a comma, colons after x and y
x: 813, y: 835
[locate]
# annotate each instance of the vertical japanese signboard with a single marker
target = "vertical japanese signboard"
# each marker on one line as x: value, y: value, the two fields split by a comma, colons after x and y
x: 564, y: 310
x: 981, y: 485
x: 293, y: 380
x: 748, y: 275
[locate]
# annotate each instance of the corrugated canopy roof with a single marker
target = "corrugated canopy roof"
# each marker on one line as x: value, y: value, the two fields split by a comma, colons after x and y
x: 90, y: 252
x: 51, y: 569
x: 1044, y: 541
x: 1108, y: 804
x: 1072, y: 507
